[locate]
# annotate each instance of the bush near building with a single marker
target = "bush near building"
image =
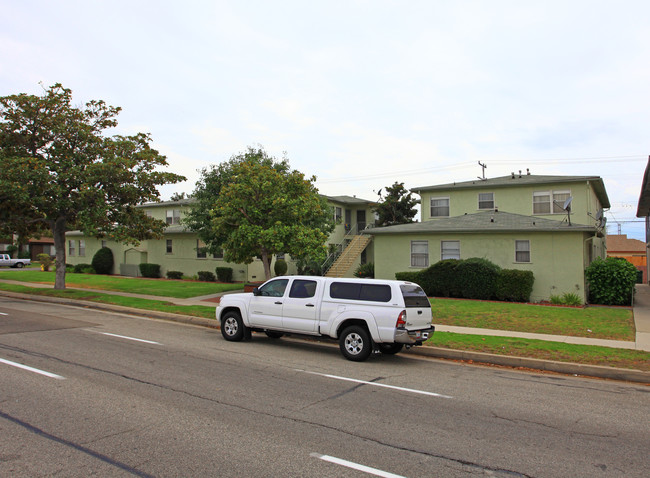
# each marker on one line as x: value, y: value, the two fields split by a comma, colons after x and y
x: 103, y: 261
x: 611, y: 281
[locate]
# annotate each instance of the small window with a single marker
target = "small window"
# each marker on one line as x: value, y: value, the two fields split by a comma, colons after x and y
x: 486, y: 201
x: 173, y: 216
x: 200, y: 249
x: 218, y: 254
x: 559, y: 198
x: 71, y: 248
x: 104, y: 243
x: 169, y: 246
x: 542, y: 202
x: 82, y: 247
x: 522, y: 251
x: 338, y: 215
x: 439, y: 207
x: 414, y: 296
x: 419, y: 253
x: 303, y: 289
x: 274, y: 288
x: 449, y: 250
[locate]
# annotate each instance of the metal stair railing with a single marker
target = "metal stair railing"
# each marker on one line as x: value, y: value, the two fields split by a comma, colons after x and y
x: 342, y: 247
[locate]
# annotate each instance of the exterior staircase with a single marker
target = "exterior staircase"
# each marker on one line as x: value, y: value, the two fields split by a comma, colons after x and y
x: 350, y: 254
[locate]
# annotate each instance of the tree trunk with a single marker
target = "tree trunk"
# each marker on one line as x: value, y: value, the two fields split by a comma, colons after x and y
x: 58, y: 231
x: 266, y: 260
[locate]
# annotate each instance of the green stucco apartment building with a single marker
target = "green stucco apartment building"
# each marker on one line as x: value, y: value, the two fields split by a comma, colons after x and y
x: 516, y: 221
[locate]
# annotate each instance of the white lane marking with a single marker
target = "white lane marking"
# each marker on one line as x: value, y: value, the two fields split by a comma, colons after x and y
x: 355, y: 466
x: 411, y: 390
x: 131, y: 338
x: 2, y: 313
x: 35, y: 370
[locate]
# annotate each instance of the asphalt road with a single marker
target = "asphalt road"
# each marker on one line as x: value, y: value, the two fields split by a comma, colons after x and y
x: 181, y: 401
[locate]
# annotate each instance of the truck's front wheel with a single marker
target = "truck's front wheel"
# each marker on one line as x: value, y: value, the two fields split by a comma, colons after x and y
x: 355, y: 343
x: 232, y: 327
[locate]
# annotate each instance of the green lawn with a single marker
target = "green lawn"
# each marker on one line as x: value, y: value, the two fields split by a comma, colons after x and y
x: 594, y: 322
x: 541, y: 349
x: 159, y: 287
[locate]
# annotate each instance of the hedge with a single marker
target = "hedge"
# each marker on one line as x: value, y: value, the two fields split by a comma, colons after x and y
x: 150, y: 270
x: 476, y: 278
x: 514, y: 285
x: 174, y: 275
x: 103, y: 261
x: 207, y: 276
x: 224, y: 274
x: 611, y: 281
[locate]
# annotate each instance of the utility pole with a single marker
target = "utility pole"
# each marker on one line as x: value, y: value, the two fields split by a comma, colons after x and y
x: 482, y: 166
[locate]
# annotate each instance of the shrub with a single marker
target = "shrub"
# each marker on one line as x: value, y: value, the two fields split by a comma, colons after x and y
x: 408, y: 276
x: 280, y: 267
x: 309, y: 267
x: 81, y: 268
x: 207, y: 276
x: 45, y: 260
x: 477, y: 278
x: 103, y: 261
x: 11, y: 250
x: 568, y: 298
x: 24, y: 255
x: 514, y: 285
x: 174, y: 275
x: 611, y: 281
x: 150, y: 270
x: 366, y: 270
x: 441, y: 280
x: 224, y: 274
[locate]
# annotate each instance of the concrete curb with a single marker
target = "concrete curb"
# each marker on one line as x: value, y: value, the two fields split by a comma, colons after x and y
x: 435, y: 352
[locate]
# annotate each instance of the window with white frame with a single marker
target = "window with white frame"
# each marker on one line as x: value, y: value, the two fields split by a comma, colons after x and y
x: 71, y: 248
x: 338, y: 214
x: 439, y: 207
x: 419, y: 253
x: 82, y: 247
x: 449, y: 250
x: 486, y: 200
x: 173, y: 216
x: 522, y: 251
x: 549, y: 202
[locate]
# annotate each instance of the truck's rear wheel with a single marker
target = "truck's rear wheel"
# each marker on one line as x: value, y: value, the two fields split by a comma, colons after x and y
x: 19, y: 265
x: 355, y: 343
x: 390, y: 349
x: 232, y: 327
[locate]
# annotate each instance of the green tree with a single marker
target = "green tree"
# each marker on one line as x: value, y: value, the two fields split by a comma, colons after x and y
x: 397, y: 207
x: 59, y: 171
x: 260, y: 207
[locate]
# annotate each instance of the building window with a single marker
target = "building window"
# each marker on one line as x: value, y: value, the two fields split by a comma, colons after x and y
x: 419, y: 253
x: 71, y: 249
x: 218, y: 254
x: 338, y: 215
x: 104, y: 242
x: 200, y: 249
x: 549, y: 202
x: 169, y: 246
x: 82, y: 247
x: 486, y: 201
x: 449, y: 250
x: 439, y: 207
x: 173, y: 216
x: 522, y: 251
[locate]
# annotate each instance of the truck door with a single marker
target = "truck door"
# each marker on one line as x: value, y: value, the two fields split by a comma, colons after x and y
x: 300, y: 309
x: 266, y: 308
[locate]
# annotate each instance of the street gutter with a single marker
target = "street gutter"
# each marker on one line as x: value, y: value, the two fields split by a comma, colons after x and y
x: 628, y: 375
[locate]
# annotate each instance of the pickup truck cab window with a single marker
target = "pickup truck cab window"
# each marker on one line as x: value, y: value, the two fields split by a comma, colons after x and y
x: 303, y: 289
x: 274, y: 288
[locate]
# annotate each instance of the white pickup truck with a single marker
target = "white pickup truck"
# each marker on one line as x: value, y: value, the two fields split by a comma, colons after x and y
x: 362, y: 314
x: 6, y: 260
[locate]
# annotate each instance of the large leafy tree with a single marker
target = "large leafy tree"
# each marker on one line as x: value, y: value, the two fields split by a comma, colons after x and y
x: 59, y: 171
x: 396, y: 207
x: 255, y: 206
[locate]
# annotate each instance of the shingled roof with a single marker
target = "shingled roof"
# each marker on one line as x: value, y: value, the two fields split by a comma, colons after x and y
x: 486, y: 221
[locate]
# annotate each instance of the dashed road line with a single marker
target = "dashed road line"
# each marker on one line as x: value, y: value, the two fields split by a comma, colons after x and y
x: 31, y: 369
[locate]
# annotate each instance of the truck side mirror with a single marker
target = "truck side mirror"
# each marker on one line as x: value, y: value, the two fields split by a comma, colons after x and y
x: 256, y: 291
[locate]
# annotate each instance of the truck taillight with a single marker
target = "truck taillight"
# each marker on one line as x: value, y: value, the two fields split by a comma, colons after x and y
x: 401, y: 320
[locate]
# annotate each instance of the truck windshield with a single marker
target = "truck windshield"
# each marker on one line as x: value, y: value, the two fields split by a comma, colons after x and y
x: 414, y: 296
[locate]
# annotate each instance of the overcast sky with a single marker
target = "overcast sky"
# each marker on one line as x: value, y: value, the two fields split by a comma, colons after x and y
x: 359, y: 93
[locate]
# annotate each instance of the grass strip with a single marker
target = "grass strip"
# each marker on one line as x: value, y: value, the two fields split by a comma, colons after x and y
x: 592, y: 322
x: 135, y: 302
x: 139, y: 285
x: 545, y: 350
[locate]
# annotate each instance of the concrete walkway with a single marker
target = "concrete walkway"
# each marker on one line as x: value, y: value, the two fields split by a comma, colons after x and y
x: 641, y: 318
